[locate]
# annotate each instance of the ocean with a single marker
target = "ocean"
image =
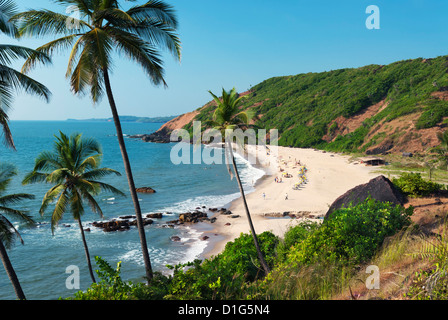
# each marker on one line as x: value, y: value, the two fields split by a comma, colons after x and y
x: 42, y: 261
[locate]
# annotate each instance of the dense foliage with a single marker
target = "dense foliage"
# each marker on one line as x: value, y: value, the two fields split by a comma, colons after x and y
x: 352, y: 235
x: 303, y: 107
x: 413, y: 185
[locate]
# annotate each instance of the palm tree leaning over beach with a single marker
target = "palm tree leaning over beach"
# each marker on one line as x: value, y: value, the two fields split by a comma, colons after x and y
x: 10, y: 79
x: 8, y: 233
x: 73, y: 169
x: 228, y: 116
x: 103, y: 28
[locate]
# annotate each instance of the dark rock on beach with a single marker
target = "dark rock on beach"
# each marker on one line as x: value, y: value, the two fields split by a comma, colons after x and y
x: 192, y: 217
x: 379, y: 188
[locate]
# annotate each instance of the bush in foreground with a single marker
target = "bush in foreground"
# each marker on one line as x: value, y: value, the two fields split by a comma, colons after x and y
x: 310, y: 263
x: 413, y: 185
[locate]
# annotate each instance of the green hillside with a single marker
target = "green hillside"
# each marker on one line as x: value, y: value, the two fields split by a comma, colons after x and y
x: 305, y: 108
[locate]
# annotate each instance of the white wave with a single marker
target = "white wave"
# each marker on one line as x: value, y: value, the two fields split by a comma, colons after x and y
x: 207, y: 201
x: 195, y: 245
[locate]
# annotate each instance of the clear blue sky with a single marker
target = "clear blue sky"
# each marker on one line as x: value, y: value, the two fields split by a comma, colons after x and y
x: 239, y: 43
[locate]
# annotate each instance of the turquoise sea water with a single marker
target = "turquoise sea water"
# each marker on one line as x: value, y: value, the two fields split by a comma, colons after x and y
x: 41, y: 262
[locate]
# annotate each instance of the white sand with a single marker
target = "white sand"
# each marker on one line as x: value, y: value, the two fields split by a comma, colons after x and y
x: 328, y: 177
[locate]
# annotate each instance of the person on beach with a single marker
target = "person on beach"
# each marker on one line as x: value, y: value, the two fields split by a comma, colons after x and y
x: 286, y: 196
x: 264, y: 196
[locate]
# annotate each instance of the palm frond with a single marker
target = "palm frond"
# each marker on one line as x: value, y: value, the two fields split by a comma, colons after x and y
x: 4, y: 119
x: 34, y: 177
x: 157, y: 33
x: 59, y: 209
x: 84, y: 6
x: 20, y: 82
x: 10, y: 53
x: 99, y: 173
x: 76, y: 205
x: 41, y: 23
x: 155, y: 10
x: 94, y: 206
x: 7, y: 9
x: 7, y: 171
x: 14, y: 198
x: 50, y: 197
x: 109, y: 188
x: 47, y: 161
x: 140, y: 52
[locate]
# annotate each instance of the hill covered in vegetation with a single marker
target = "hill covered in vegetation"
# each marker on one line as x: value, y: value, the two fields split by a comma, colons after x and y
x: 374, y: 109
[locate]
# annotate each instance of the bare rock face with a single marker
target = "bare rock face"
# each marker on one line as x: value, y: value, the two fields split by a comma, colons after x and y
x: 379, y: 188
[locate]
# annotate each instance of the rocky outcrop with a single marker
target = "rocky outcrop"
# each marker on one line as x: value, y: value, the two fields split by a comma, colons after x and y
x: 193, y: 217
x: 119, y: 225
x: 380, y: 189
x: 145, y: 190
x: 156, y: 137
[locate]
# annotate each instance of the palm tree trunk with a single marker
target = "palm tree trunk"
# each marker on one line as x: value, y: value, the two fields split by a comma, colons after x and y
x: 86, y: 249
x: 128, y: 170
x: 11, y: 273
x: 251, y: 225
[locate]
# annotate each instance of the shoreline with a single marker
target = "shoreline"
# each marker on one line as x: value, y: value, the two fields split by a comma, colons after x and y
x: 329, y: 175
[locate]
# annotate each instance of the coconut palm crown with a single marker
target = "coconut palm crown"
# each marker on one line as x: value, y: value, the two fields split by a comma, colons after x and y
x: 73, y: 170
x: 8, y: 232
x: 227, y: 117
x: 12, y: 81
x: 96, y: 31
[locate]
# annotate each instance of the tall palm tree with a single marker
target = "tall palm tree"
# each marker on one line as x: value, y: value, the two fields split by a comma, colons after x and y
x: 226, y: 118
x: 10, y: 79
x: 8, y: 233
x: 73, y: 170
x: 104, y: 27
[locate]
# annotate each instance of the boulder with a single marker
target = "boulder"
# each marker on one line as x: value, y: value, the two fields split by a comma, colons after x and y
x: 192, y: 217
x: 119, y: 225
x: 379, y: 188
x: 145, y: 190
x: 155, y: 215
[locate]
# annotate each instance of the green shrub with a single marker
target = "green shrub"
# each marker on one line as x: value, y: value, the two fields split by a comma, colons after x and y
x: 352, y: 234
x: 112, y: 287
x: 223, y: 276
x: 295, y: 235
x: 412, y: 184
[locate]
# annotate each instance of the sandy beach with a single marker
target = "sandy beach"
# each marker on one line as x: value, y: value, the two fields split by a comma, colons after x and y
x: 328, y: 176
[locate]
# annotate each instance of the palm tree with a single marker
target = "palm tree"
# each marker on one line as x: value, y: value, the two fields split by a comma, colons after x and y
x: 103, y: 28
x: 226, y: 118
x: 8, y: 233
x: 73, y: 170
x: 10, y: 79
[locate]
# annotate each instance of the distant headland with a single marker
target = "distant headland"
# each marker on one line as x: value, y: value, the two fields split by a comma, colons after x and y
x: 130, y: 119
